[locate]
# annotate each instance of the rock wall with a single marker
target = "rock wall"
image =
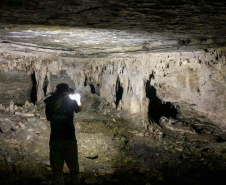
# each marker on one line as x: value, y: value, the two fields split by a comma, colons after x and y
x: 194, y: 82
x: 15, y: 86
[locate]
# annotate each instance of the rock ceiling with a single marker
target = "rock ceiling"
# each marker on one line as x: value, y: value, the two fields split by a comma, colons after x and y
x: 101, y: 28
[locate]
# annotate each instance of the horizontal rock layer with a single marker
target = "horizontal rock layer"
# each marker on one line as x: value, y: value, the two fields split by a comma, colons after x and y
x: 158, y: 15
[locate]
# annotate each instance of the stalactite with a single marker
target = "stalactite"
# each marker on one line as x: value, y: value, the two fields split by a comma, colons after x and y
x: 169, y: 81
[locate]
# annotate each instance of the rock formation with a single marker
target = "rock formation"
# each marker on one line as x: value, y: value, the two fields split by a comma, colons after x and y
x: 194, y: 82
x: 152, y: 76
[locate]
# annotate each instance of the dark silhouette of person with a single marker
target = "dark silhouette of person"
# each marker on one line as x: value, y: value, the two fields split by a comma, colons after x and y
x: 63, y: 144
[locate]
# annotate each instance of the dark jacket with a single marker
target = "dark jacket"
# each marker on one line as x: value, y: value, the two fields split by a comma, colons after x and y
x: 60, y: 112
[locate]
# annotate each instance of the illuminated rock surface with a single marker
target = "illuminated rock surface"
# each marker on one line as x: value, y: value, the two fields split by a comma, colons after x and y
x: 193, y: 81
x: 152, y: 75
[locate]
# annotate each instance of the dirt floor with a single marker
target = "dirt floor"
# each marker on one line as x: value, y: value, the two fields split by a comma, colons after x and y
x: 113, y: 149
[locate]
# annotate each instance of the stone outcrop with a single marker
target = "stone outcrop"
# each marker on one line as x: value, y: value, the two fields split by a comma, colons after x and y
x: 15, y: 86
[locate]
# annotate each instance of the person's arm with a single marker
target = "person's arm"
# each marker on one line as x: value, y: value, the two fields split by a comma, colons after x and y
x: 78, y: 102
x: 80, y: 106
x: 75, y: 102
x: 77, y: 107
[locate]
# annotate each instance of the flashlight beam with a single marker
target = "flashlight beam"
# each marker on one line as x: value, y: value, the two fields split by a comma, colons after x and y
x: 76, y: 97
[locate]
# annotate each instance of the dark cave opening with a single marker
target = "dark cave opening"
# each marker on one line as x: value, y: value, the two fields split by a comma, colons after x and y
x: 92, y: 87
x: 93, y: 91
x: 45, y: 85
x: 157, y: 109
x: 33, y: 95
x: 119, y: 92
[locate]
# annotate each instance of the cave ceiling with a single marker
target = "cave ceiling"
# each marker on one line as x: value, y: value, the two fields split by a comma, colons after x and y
x: 106, y: 28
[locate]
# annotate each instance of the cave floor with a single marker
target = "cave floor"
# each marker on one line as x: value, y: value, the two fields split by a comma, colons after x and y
x: 112, y: 150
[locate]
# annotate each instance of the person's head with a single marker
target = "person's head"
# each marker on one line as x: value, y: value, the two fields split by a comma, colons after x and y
x: 71, y: 91
x: 62, y: 88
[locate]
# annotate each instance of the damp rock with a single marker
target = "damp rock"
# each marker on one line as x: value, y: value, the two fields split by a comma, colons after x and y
x: 92, y: 101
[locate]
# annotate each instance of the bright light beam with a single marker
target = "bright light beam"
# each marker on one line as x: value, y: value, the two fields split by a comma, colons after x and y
x: 76, y: 97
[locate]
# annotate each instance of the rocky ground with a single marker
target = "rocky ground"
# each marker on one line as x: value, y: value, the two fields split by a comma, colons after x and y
x: 113, y: 148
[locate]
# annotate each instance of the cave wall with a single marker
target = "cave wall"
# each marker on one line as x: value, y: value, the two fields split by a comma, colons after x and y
x: 194, y: 82
x: 14, y: 86
x: 54, y: 80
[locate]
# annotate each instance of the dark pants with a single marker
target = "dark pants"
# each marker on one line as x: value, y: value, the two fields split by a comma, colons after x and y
x: 67, y: 151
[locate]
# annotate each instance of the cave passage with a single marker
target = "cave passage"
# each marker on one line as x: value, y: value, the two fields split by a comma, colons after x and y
x: 119, y: 92
x: 33, y: 95
x: 156, y: 108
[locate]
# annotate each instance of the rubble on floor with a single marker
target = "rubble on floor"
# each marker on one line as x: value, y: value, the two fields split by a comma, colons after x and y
x: 112, y: 149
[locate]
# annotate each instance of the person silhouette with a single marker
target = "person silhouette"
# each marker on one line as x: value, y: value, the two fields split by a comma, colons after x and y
x: 63, y: 144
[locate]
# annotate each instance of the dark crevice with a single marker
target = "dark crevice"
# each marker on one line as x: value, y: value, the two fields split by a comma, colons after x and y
x: 33, y: 95
x: 119, y: 92
x: 220, y: 139
x: 85, y: 83
x: 156, y: 108
x: 197, y: 130
x: 45, y: 85
x: 22, y: 104
x: 92, y: 89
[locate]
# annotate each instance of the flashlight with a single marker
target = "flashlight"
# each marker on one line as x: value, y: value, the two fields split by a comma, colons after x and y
x: 75, y: 97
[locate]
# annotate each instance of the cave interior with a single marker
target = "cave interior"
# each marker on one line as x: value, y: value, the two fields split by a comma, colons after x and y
x: 152, y: 79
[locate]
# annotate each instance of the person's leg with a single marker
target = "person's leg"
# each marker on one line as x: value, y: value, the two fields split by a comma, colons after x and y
x: 71, y: 158
x: 57, y: 162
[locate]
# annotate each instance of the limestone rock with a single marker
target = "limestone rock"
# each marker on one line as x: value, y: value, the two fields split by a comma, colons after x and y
x: 24, y: 114
x: 11, y: 106
x: 6, y: 125
x: 190, y: 80
x: 176, y: 126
